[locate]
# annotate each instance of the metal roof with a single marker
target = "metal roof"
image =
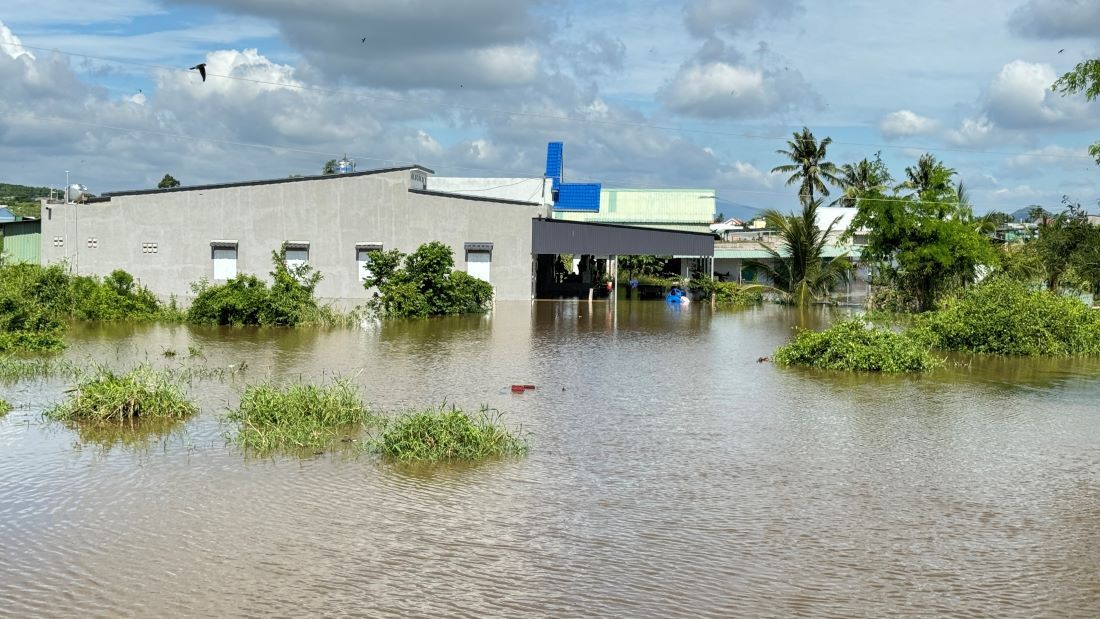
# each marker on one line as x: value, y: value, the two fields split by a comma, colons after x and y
x: 274, y: 181
x: 555, y: 236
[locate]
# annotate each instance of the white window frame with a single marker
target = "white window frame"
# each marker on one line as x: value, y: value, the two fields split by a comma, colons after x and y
x: 480, y: 249
x: 362, y: 261
x: 296, y: 246
x: 226, y: 263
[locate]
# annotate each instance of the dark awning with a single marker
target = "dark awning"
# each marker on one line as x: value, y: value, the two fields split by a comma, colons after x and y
x: 555, y: 236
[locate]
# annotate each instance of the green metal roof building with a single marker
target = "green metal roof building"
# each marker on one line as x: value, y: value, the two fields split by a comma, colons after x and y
x: 19, y: 238
x: 687, y: 210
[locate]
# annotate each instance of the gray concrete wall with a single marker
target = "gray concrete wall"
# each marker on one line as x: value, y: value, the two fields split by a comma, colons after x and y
x: 332, y: 214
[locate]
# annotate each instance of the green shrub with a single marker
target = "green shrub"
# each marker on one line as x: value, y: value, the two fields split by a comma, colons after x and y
x: 1007, y: 317
x: 26, y: 325
x: 272, y: 418
x: 852, y: 345
x: 425, y: 285
x: 247, y: 300
x: 142, y: 393
x: 5, y: 407
x: 436, y: 435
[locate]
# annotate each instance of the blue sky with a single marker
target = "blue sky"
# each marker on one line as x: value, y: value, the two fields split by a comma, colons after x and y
x: 682, y: 94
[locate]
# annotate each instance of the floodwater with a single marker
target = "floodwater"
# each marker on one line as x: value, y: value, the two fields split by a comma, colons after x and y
x: 670, y: 475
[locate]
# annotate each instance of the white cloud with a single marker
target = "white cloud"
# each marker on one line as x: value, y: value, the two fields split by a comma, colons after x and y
x: 11, y: 45
x: 1042, y: 158
x: 1019, y: 97
x: 719, y: 89
x: 975, y: 132
x: 904, y: 123
x: 742, y: 175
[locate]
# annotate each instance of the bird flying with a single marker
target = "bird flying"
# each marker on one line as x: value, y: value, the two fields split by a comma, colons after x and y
x: 1061, y: 50
x: 364, y: 39
x: 202, y: 70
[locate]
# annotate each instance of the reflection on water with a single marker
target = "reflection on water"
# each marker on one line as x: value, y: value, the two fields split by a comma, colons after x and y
x: 670, y: 474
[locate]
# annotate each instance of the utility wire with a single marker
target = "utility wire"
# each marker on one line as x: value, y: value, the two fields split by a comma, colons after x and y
x: 558, y: 117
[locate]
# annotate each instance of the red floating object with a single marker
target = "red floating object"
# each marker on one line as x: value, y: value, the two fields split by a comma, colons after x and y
x: 528, y: 386
x: 517, y: 389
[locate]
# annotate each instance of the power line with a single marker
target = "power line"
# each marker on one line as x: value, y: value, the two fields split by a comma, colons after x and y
x: 558, y: 117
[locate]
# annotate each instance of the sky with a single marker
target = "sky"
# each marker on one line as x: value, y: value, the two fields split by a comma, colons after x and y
x: 693, y: 94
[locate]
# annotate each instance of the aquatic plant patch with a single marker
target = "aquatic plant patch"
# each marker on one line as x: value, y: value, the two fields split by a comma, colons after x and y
x: 448, y: 434
x: 1011, y: 318
x: 5, y: 407
x: 272, y: 418
x: 852, y: 345
x: 106, y: 396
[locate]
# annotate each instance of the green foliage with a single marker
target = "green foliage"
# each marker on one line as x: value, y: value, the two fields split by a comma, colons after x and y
x: 297, y: 417
x: 1004, y: 317
x: 726, y: 294
x: 23, y: 200
x: 5, y: 407
x: 642, y: 265
x: 442, y: 434
x: 142, y: 393
x: 168, y: 182
x: 925, y: 244
x: 852, y: 345
x: 1067, y: 240
x: 861, y: 179
x: 424, y: 284
x: 26, y: 325
x: 1085, y: 77
x: 808, y: 167
x: 247, y: 300
x: 799, y: 269
x: 329, y: 167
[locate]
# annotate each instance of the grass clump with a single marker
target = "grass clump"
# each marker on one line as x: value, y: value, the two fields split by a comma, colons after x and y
x: 272, y: 418
x: 5, y: 407
x: 142, y: 393
x: 1010, y: 318
x: 23, y: 369
x: 852, y: 345
x: 447, y: 434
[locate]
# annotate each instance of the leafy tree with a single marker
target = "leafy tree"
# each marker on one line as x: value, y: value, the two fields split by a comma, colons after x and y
x: 808, y: 167
x: 424, y: 284
x: 634, y: 266
x: 168, y: 182
x: 925, y: 244
x: 929, y: 176
x: 329, y: 167
x: 1084, y: 77
x: 1060, y: 238
x: 862, y: 178
x: 800, y: 270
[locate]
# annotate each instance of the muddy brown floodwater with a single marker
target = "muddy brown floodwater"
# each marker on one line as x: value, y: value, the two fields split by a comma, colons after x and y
x: 670, y: 474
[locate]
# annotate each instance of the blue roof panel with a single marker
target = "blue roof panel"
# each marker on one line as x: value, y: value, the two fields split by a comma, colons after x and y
x: 578, y: 197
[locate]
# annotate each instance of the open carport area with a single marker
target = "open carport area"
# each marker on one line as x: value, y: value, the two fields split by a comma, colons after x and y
x: 594, y: 247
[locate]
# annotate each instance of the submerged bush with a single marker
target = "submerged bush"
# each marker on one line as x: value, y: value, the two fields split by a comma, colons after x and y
x: 854, y: 346
x: 247, y: 300
x: 142, y: 393
x: 424, y: 283
x: 442, y: 434
x: 272, y: 418
x: 1010, y: 318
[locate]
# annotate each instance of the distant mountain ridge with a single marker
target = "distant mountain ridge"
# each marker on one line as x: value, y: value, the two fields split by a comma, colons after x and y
x: 21, y: 193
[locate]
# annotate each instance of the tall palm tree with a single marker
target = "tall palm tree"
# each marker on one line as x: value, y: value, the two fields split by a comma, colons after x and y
x: 800, y: 270
x: 929, y: 175
x: 808, y: 167
x: 860, y: 179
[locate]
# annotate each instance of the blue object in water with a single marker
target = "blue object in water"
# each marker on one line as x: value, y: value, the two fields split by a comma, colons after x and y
x: 675, y: 296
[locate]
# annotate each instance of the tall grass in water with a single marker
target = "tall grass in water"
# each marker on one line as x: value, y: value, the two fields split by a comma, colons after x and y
x: 24, y: 369
x: 5, y: 407
x: 447, y: 434
x: 142, y: 393
x: 297, y: 417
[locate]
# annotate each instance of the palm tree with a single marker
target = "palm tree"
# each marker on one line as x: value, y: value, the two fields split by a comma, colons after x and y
x: 860, y: 179
x: 929, y: 175
x: 808, y: 166
x: 800, y: 270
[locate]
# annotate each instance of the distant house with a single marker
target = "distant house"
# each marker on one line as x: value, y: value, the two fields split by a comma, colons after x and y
x: 6, y: 216
x: 19, y: 237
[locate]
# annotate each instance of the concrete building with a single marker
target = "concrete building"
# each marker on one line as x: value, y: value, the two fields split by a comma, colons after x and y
x: 171, y: 238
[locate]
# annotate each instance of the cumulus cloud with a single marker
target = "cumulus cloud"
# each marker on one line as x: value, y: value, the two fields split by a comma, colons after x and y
x: 719, y: 83
x: 1034, y: 162
x: 1055, y: 19
x: 905, y: 123
x: 705, y: 17
x: 399, y: 44
x: 976, y: 132
x: 1019, y: 97
x: 742, y: 175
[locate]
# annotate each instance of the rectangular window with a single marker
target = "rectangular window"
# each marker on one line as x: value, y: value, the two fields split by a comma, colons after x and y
x: 362, y: 258
x: 297, y: 253
x: 224, y: 255
x: 479, y: 259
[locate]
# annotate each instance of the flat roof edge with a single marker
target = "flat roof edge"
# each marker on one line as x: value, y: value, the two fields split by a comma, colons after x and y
x: 274, y: 181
